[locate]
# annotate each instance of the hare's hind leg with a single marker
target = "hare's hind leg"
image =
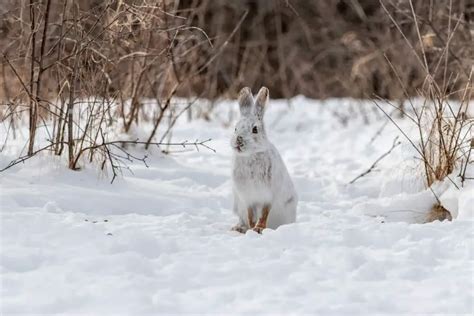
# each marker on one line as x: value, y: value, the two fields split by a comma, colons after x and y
x: 262, y: 221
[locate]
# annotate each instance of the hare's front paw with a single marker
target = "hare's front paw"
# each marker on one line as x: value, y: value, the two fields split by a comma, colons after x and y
x: 259, y: 229
x: 239, y: 228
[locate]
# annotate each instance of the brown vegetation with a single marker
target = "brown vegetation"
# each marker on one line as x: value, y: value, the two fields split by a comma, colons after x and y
x: 438, y: 213
x: 316, y: 48
x: 444, y: 140
x: 86, y: 67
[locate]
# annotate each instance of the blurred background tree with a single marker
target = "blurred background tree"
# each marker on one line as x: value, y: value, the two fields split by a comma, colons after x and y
x: 321, y: 49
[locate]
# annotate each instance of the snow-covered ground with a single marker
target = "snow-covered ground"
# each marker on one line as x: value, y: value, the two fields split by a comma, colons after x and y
x: 158, y: 242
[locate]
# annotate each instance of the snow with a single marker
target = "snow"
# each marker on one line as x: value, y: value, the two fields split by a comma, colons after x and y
x: 158, y: 241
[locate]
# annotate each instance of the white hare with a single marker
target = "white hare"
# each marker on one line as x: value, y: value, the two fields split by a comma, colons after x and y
x: 264, y: 195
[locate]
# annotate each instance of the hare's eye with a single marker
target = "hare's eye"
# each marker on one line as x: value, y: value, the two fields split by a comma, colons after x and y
x: 255, y: 130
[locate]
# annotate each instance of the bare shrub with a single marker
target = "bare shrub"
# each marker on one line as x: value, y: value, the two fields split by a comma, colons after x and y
x: 444, y: 130
x: 317, y: 48
x: 330, y: 48
x: 83, y: 68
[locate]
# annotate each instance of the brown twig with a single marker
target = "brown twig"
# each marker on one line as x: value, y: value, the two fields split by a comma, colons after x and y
x: 372, y: 167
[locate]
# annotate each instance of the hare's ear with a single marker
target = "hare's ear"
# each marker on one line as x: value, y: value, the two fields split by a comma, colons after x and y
x: 245, y: 101
x: 261, y: 102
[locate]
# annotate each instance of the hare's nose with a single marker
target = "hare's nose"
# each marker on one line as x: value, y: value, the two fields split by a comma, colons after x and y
x: 240, y: 139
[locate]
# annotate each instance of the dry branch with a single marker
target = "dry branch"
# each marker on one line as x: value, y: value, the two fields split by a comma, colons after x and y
x: 374, y: 164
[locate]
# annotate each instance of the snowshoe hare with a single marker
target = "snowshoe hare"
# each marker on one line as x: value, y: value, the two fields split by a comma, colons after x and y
x: 264, y: 195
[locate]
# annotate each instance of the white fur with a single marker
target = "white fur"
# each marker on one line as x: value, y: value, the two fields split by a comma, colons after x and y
x: 259, y: 174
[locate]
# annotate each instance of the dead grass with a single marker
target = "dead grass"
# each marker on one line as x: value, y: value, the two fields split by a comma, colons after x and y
x: 438, y: 213
x: 79, y: 70
x: 444, y: 140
